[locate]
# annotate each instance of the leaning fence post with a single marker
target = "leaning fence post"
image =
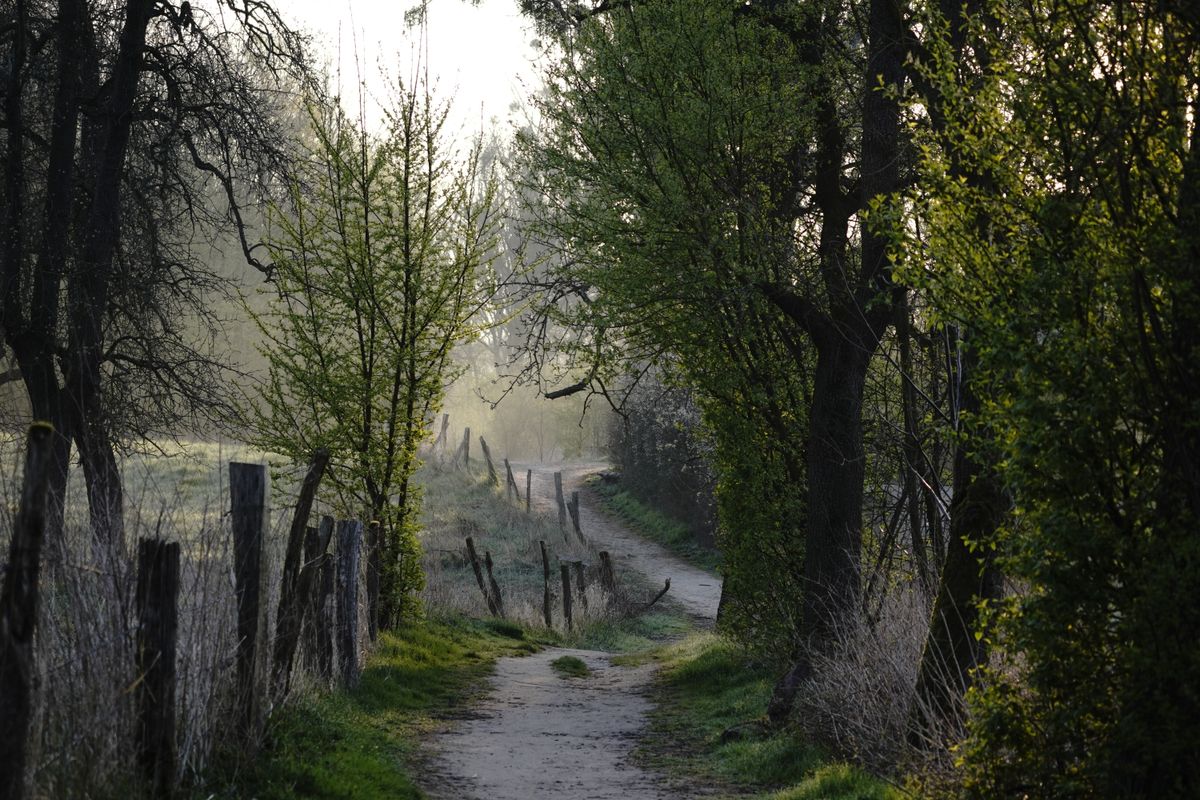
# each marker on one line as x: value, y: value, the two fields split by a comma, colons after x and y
x: 545, y: 585
x: 293, y: 596
x: 18, y: 611
x: 528, y: 487
x: 439, y: 445
x: 349, y: 533
x: 493, y: 478
x: 158, y: 625
x: 487, y: 596
x: 573, y: 507
x: 565, y: 570
x: 562, y: 506
x: 487, y: 561
x: 510, y: 487
x: 248, y: 510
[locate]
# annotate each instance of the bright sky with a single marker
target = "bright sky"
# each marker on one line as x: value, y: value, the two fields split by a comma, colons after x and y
x: 479, y: 55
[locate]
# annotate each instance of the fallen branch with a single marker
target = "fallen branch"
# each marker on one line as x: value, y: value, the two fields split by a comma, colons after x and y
x: 658, y: 596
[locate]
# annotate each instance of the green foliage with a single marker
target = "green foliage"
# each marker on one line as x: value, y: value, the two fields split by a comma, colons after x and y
x: 378, y: 261
x: 570, y: 667
x: 667, y: 138
x: 362, y: 743
x: 1062, y: 230
x: 708, y: 686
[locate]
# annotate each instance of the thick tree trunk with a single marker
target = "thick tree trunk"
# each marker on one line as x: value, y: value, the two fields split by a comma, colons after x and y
x: 89, y: 286
x: 835, y: 489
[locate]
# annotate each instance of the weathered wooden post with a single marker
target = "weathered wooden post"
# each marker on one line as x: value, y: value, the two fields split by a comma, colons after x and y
x: 545, y: 585
x: 495, y: 587
x: 562, y: 506
x: 493, y: 478
x: 374, y: 564
x: 324, y: 619
x: 439, y: 445
x: 466, y: 448
x: 528, y: 489
x: 349, y: 533
x: 158, y: 625
x: 292, y: 595
x: 581, y: 585
x: 565, y: 570
x: 18, y: 611
x: 608, y: 580
x: 487, y: 596
x: 317, y: 574
x: 510, y: 487
x: 573, y: 508
x: 248, y: 511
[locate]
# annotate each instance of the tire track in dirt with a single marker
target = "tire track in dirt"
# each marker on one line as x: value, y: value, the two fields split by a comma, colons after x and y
x: 538, y: 734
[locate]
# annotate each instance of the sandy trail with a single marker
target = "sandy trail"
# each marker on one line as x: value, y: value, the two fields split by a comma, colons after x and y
x: 538, y: 734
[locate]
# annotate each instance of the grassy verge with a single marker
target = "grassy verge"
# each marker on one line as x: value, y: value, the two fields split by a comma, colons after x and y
x: 707, y: 687
x: 654, y: 525
x: 363, y: 743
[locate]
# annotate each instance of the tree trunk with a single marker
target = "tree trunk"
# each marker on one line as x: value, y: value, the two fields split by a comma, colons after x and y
x: 969, y: 576
x: 835, y: 490
x: 88, y: 288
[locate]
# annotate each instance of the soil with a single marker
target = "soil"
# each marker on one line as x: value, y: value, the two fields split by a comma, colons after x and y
x: 540, y: 734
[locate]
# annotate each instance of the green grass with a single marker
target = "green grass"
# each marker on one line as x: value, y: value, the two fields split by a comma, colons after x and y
x: 570, y: 667
x: 707, y: 686
x: 363, y: 743
x: 655, y: 525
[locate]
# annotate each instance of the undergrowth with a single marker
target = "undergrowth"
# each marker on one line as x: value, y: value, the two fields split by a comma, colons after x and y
x: 708, y: 686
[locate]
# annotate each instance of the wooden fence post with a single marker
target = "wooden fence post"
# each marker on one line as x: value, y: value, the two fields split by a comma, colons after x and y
x: 581, y: 585
x: 608, y: 580
x: 439, y: 444
x: 349, y: 533
x: 565, y: 570
x: 493, y: 478
x: 374, y: 564
x: 495, y: 587
x: 487, y: 596
x: 318, y: 641
x: 324, y: 619
x: 510, y: 488
x: 545, y: 585
x: 248, y: 510
x: 158, y: 625
x: 562, y: 506
x: 573, y: 508
x: 292, y: 596
x: 528, y: 488
x: 18, y: 611
x: 466, y: 448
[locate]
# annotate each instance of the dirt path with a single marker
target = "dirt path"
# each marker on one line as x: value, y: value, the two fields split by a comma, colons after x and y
x: 539, y: 734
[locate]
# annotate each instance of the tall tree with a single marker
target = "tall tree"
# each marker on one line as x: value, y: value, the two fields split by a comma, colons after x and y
x: 130, y: 131
x: 740, y: 148
x: 1081, y: 300
x: 378, y: 258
